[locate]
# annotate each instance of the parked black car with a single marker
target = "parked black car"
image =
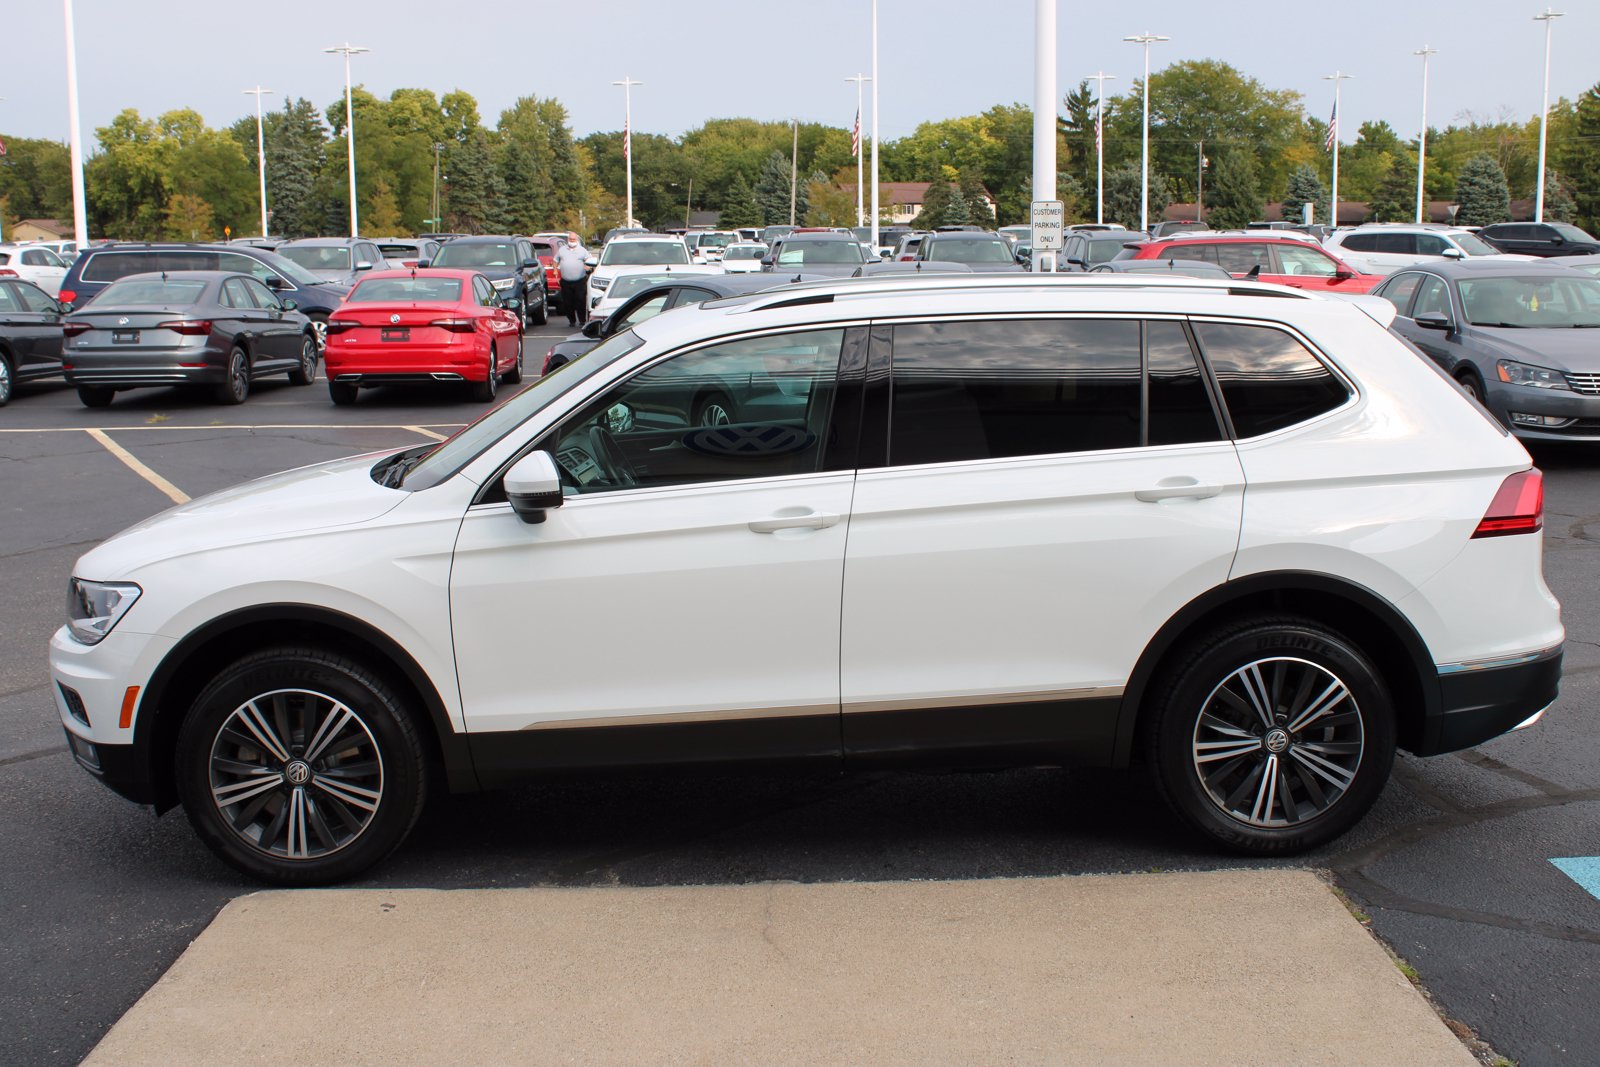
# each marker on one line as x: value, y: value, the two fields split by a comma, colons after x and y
x: 212, y: 328
x: 336, y: 259
x: 1540, y: 239
x: 984, y: 252
x: 1520, y: 337
x: 828, y: 254
x: 30, y: 335
x: 510, y: 264
x: 101, y: 265
x: 1086, y: 249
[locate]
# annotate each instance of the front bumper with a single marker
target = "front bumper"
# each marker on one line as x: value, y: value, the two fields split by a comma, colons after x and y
x: 90, y: 685
x: 1482, y: 702
x: 1577, y: 414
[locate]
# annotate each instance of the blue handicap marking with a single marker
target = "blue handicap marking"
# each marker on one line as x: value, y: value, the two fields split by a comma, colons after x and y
x: 1585, y: 870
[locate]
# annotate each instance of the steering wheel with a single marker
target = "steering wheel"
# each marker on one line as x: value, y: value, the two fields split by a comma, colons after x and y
x: 609, y: 455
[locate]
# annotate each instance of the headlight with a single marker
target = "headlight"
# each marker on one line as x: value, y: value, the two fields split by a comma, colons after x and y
x: 93, y: 608
x: 503, y: 283
x: 1525, y: 374
x: 599, y: 285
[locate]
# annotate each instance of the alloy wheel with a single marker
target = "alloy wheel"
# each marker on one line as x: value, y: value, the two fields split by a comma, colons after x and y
x: 5, y: 380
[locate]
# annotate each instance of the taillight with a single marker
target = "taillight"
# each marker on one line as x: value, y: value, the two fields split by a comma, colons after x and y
x: 73, y: 329
x: 7, y: 272
x: 1518, y: 506
x: 409, y: 264
x: 68, y: 296
x: 455, y: 325
x: 340, y: 325
x: 187, y: 327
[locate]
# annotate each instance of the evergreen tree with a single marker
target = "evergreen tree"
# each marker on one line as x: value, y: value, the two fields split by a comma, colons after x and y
x: 1578, y: 155
x: 1235, y: 197
x: 1076, y: 129
x: 972, y: 193
x: 772, y: 189
x: 935, y: 204
x: 1122, y: 196
x: 471, y: 203
x: 1395, y: 199
x: 1305, y: 188
x: 1482, y: 192
x: 1558, y: 203
x: 958, y: 212
x: 739, y: 206
x: 382, y: 215
x: 295, y: 156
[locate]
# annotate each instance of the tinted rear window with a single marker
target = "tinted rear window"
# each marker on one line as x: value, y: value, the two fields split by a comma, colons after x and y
x: 152, y: 291
x: 109, y: 266
x: 1269, y: 380
x: 406, y: 290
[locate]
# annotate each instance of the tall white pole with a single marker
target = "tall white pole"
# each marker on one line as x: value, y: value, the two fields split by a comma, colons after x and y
x: 1422, y: 138
x: 861, y: 156
x: 347, y: 50
x: 80, y: 214
x: 1044, y: 112
x: 261, y: 153
x: 1333, y: 204
x: 1100, y: 77
x: 1147, y: 39
x: 874, y: 123
x: 1548, y: 18
x: 627, y: 84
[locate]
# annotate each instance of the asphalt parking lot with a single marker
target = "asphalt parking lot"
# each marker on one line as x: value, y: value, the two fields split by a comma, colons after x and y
x: 1454, y: 865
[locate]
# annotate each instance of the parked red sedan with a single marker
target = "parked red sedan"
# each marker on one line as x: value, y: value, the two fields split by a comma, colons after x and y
x: 421, y: 326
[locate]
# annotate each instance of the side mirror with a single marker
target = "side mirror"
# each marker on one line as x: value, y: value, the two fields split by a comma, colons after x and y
x: 1558, y: 240
x: 363, y: 265
x: 533, y: 485
x: 1433, y: 320
x: 591, y: 262
x: 422, y: 264
x: 530, y: 264
x: 291, y: 305
x: 1078, y: 263
x: 1344, y: 272
x: 766, y: 262
x: 592, y: 328
x: 1454, y: 253
x: 887, y: 253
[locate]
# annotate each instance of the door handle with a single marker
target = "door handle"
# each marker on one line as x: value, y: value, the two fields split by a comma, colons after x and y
x: 795, y: 519
x: 1177, y: 489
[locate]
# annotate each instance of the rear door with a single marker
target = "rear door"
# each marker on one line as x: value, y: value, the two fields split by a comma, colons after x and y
x: 1045, y: 494
x: 280, y: 332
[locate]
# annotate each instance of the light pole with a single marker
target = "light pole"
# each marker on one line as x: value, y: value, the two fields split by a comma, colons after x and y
x: 1548, y: 18
x: 261, y: 152
x: 874, y: 123
x: 347, y: 50
x: 1147, y: 39
x: 438, y: 219
x: 794, y: 167
x: 688, y: 204
x: 1333, y: 142
x: 1100, y: 77
x: 1422, y: 138
x: 1200, y: 164
x: 80, y: 213
x: 855, y: 148
x: 627, y: 84
x: 1044, y: 121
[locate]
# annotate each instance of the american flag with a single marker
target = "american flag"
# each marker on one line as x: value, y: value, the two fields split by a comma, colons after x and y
x: 855, y: 135
x: 1333, y: 129
x: 627, y: 141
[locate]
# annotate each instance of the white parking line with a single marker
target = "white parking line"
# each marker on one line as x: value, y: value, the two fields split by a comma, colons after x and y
x: 428, y: 433
x: 173, y: 493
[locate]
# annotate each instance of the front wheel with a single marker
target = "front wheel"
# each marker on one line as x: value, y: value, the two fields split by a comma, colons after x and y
x: 5, y: 380
x: 306, y: 372
x: 1271, y: 736
x: 300, y: 767
x: 1473, y: 387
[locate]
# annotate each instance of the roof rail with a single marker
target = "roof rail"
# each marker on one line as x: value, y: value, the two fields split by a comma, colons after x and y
x: 890, y: 284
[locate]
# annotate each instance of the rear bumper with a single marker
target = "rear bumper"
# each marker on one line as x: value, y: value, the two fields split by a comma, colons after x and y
x: 1481, y: 702
x: 126, y: 371
x: 405, y: 362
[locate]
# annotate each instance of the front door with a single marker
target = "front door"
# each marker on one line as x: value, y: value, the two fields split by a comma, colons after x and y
x: 1031, y: 531
x: 683, y: 604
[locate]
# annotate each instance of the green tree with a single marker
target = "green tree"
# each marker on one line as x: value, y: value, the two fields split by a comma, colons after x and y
x: 1235, y: 197
x: 382, y: 216
x: 1395, y: 199
x: 935, y: 206
x: 829, y: 201
x: 1305, y: 188
x: 972, y: 192
x: 473, y: 186
x: 189, y: 218
x: 958, y: 212
x: 1577, y: 154
x: 35, y: 179
x: 1558, y: 202
x: 739, y: 206
x: 1122, y: 196
x: 1482, y: 192
x: 772, y: 189
x: 1076, y: 131
x: 295, y: 156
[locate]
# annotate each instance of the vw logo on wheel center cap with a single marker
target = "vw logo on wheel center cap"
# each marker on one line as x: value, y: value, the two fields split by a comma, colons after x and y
x: 1277, y: 740
x: 298, y: 772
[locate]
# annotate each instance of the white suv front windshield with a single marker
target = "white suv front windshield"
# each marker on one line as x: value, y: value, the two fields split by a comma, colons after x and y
x: 1473, y: 245
x: 643, y: 253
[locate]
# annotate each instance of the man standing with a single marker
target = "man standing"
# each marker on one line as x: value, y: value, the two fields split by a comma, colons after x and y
x: 571, y: 261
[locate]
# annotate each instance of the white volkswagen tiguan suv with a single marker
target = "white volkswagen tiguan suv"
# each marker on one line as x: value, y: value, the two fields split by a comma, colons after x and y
x: 1245, y: 537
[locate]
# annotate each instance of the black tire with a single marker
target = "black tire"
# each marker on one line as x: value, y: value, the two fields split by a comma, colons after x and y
x: 1473, y: 385
x: 541, y: 315
x: 714, y: 409
x: 343, y: 393
x: 319, y: 328
x: 514, y: 375
x: 7, y: 379
x: 485, y: 391
x: 358, y: 793
x: 95, y: 396
x: 306, y: 372
x: 235, y: 385
x: 1211, y: 748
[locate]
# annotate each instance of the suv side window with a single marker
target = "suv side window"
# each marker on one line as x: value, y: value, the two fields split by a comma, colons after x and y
x: 245, y: 265
x: 1178, y: 404
x: 1431, y: 244
x: 1398, y: 292
x: 1241, y: 257
x: 756, y: 407
x: 1269, y: 380
x: 1202, y: 253
x: 1361, y: 242
x: 1305, y: 262
x: 1013, y: 387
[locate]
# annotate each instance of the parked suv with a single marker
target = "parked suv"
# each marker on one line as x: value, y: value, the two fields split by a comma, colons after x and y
x: 1540, y: 239
x: 336, y: 259
x: 512, y: 266
x: 1253, y: 540
x: 1292, y: 261
x: 1383, y: 248
x: 101, y: 265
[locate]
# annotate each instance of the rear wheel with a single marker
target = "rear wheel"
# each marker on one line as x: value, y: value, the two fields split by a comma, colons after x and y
x: 485, y: 391
x: 1271, y: 736
x: 300, y: 767
x: 306, y: 372
x: 514, y: 375
x: 342, y: 393
x: 539, y: 312
x: 5, y: 379
x: 95, y: 396
x: 235, y: 385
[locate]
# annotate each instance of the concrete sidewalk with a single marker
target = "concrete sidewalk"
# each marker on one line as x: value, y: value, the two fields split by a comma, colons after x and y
x: 1247, y: 967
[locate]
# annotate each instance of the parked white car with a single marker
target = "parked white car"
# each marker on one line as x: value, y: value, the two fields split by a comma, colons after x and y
x: 33, y: 263
x: 743, y: 258
x: 1385, y: 247
x: 1245, y: 534
x: 626, y: 281
x: 634, y: 250
x: 707, y: 246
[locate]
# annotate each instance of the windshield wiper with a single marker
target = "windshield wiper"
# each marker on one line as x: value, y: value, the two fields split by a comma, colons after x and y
x: 391, y: 473
x: 1502, y: 325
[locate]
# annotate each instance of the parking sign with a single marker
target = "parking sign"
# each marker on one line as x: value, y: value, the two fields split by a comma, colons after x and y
x: 1047, y: 225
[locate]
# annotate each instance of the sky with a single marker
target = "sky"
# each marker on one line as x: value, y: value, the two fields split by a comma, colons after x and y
x: 772, y: 59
